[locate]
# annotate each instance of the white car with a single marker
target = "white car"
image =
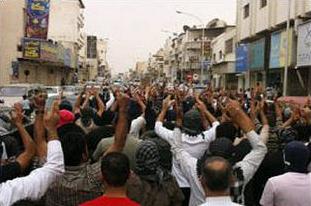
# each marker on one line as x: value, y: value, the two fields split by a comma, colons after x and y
x: 11, y: 94
x: 52, y: 90
x: 69, y: 90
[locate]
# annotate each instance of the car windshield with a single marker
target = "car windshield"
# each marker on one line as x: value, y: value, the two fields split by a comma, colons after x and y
x: 69, y: 89
x: 13, y: 91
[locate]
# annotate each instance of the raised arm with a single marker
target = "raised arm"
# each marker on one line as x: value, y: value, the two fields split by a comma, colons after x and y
x: 252, y: 160
x: 122, y: 125
x: 161, y: 131
x: 36, y: 184
x: 39, y: 130
x: 111, y: 100
x: 209, y: 134
x: 25, y: 158
x: 100, y: 104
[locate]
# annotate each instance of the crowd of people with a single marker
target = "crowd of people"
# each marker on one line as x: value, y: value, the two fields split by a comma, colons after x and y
x: 158, y: 145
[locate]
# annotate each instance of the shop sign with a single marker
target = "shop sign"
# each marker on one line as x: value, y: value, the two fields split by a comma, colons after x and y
x: 241, y: 63
x: 257, y: 54
x: 304, y: 45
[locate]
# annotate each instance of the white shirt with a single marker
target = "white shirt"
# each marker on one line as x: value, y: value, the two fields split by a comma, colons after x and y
x: 188, y: 164
x: 219, y: 201
x: 111, y: 101
x: 195, y: 146
x: 136, y: 125
x: 288, y: 189
x: 38, y: 181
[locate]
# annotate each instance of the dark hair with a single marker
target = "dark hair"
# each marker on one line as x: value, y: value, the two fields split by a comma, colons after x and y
x: 217, y: 178
x: 115, y: 168
x: 96, y: 135
x: 65, y: 104
x: 227, y: 130
x: 73, y: 142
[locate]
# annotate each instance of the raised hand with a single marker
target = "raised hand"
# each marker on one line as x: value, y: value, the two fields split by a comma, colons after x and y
x: 51, y: 119
x: 123, y: 102
x: 200, y: 104
x: 17, y: 115
x: 167, y: 103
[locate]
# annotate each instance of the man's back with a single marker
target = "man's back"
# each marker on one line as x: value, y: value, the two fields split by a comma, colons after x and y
x: 111, y: 201
x: 288, y: 189
x: 77, y: 185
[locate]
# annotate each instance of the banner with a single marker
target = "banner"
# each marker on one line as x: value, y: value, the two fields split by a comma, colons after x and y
x: 279, y: 47
x: 241, y: 63
x: 37, y: 18
x: 49, y: 52
x: 31, y: 48
x: 304, y: 45
x: 257, y: 54
x: 275, y: 50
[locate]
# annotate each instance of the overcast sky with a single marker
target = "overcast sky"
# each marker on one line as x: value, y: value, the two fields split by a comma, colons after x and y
x: 134, y: 26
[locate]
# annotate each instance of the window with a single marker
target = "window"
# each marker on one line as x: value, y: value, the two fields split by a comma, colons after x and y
x: 263, y: 3
x: 246, y: 11
x: 214, y: 57
x: 220, y: 55
x: 229, y: 46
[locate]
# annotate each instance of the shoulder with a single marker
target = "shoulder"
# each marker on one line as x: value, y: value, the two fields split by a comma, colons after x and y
x: 94, y: 202
x: 131, y: 203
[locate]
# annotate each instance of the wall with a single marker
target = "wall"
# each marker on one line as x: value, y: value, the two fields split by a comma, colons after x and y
x: 268, y: 17
x: 261, y: 16
x: 12, y: 23
x: 63, y: 23
x: 43, y: 74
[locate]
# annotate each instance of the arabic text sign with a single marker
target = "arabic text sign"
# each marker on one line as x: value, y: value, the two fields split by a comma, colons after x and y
x: 31, y: 49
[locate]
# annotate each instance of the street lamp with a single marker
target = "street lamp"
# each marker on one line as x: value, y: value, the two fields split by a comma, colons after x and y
x: 203, y: 35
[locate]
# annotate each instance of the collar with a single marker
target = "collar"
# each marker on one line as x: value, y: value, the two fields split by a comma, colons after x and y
x: 220, y: 200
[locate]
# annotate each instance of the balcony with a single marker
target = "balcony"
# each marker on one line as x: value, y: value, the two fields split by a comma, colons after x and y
x: 193, y: 45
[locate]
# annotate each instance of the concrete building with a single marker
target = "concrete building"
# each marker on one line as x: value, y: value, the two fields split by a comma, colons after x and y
x: 55, y: 57
x: 96, y: 62
x: 155, y: 69
x: 103, y: 66
x: 183, y: 53
x: 223, y: 61
x: 261, y: 29
x: 141, y: 67
x: 192, y: 48
x: 167, y: 69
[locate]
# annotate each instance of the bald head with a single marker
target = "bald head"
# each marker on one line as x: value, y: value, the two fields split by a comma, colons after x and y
x: 216, y: 174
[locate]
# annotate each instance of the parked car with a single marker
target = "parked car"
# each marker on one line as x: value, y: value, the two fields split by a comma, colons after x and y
x: 52, y: 90
x: 11, y: 94
x: 69, y: 90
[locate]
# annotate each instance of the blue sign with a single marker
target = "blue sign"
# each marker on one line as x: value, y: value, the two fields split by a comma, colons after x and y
x: 38, y: 8
x: 275, y: 50
x: 257, y: 54
x: 241, y: 62
x: 206, y: 64
x: 67, y: 57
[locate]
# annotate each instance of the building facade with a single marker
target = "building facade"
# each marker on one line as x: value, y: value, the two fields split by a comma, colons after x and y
x: 261, y: 31
x: 96, y: 62
x: 44, y: 52
x: 223, y: 61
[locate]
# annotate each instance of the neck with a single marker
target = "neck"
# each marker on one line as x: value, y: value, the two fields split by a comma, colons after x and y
x: 115, y: 191
x: 217, y: 193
